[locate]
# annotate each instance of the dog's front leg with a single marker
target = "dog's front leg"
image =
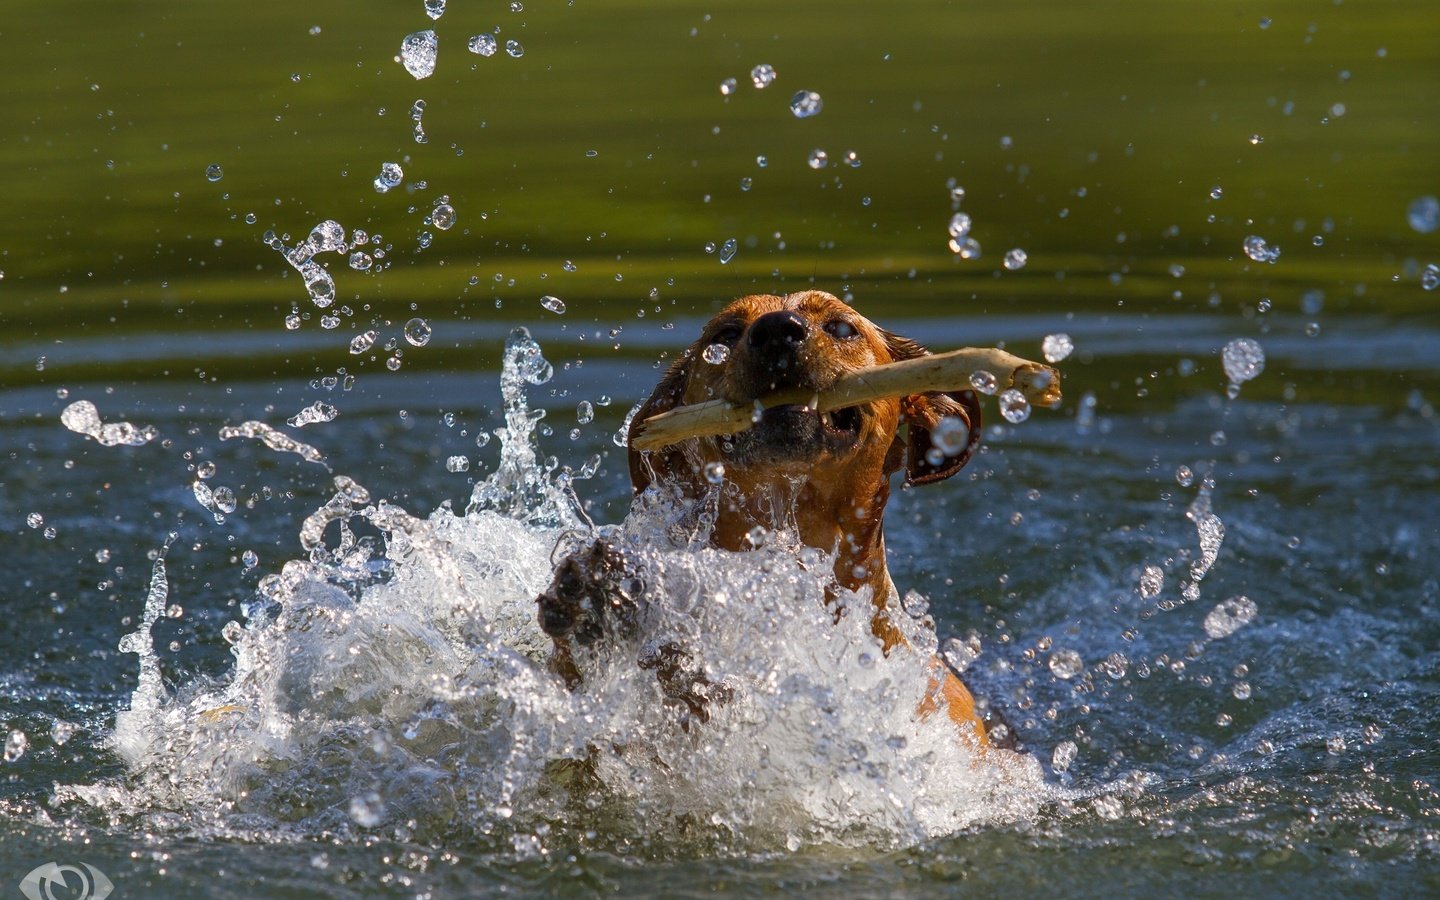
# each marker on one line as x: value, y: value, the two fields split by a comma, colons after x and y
x: 593, y: 596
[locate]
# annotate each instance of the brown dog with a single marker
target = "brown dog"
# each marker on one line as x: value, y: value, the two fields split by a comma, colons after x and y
x: 825, y: 474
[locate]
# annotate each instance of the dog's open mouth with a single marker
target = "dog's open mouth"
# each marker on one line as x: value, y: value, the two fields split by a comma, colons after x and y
x: 794, y: 430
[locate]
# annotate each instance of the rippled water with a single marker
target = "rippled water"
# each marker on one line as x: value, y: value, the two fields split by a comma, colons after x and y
x: 275, y: 504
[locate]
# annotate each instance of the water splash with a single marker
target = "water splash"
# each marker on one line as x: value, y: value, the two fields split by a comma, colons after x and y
x: 82, y: 417
x: 398, y: 688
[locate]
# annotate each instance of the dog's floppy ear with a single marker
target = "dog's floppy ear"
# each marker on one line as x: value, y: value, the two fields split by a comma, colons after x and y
x: 668, y: 394
x: 924, y: 461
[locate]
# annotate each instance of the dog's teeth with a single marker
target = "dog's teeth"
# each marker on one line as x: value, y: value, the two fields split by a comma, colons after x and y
x: 814, y: 403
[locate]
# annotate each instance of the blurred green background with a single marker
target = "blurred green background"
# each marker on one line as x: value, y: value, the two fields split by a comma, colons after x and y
x: 1089, y: 134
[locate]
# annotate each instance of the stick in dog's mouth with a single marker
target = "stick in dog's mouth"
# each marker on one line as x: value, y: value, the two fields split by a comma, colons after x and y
x: 935, y: 372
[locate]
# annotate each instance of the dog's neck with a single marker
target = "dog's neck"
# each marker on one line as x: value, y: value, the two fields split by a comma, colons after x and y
x: 850, y: 525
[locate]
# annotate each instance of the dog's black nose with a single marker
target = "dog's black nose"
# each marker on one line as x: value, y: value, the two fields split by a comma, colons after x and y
x: 778, y: 332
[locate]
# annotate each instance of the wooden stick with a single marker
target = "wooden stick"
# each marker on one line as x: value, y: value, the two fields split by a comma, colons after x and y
x: 937, y: 372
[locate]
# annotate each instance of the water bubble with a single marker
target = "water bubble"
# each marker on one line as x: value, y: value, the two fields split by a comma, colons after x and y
x: 1430, y: 277
x: 213, y: 172
x: 1013, y: 406
x: 1230, y: 616
x: 806, y: 104
x: 959, y: 225
x: 1258, y: 250
x: 715, y: 472
x: 1152, y: 579
x: 1424, y: 214
x: 417, y: 53
x: 457, y: 464
x: 727, y: 87
x: 553, y: 304
x: 1063, y: 756
x: 393, y: 363
x: 1057, y: 347
x: 1243, y: 359
x: 951, y: 435
x: 434, y: 8
x: 417, y: 332
x: 361, y: 261
x: 818, y: 159
x: 715, y: 354
x: 1115, y: 665
x: 514, y: 48
x: 390, y: 175
x: 443, y: 217
x: 762, y: 76
x: 15, y: 745
x: 363, y: 342
x: 728, y: 250
x: 1066, y: 664
x: 1015, y: 259
x: 484, y: 44
x: 959, y: 653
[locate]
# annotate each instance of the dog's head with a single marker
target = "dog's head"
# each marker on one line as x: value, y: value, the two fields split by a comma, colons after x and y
x: 806, y: 341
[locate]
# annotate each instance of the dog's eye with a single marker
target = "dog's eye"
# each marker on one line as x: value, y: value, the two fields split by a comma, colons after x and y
x: 727, y: 335
x: 841, y: 329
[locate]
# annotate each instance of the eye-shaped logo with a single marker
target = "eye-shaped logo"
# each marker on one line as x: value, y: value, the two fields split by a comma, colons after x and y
x: 53, y: 881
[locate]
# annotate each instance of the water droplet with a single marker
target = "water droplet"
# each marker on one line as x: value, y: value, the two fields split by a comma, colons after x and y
x: 361, y: 261
x: 61, y: 731
x: 762, y: 76
x: 1015, y: 259
x: 585, y: 412
x: 1430, y: 277
x: 728, y: 250
x: 1063, y: 756
x: 715, y: 472
x: 1256, y: 140
x: 434, y: 8
x: 484, y: 44
x: 959, y: 653
x: 727, y: 87
x: 553, y: 304
x: 457, y: 464
x: 1230, y: 616
x: 250, y: 559
x: 213, y: 172
x: 368, y: 810
x: 35, y: 520
x: 715, y: 354
x: 1066, y: 664
x: 984, y: 382
x: 1334, y: 745
x: 1184, y: 476
x: 443, y: 217
x: 514, y: 48
x: 1217, y: 192
x: 1057, y: 347
x: 756, y: 536
x: 818, y: 159
x: 746, y: 183
x: 806, y: 104
x: 965, y: 248
x: 1115, y: 665
x: 390, y: 175
x: 959, y: 225
x: 851, y: 159
x: 1241, y: 690
x: 417, y: 53
x: 1243, y: 359
x: 1257, y: 249
x: 1013, y: 406
x: 1152, y: 579
x: 1372, y: 733
x: 15, y: 745
x: 417, y: 332
x: 1424, y: 214
x: 292, y: 322
x: 951, y: 435
x: 363, y: 342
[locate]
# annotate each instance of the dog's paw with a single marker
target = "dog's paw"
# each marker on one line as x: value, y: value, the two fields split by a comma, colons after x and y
x: 682, y: 681
x: 594, y: 592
